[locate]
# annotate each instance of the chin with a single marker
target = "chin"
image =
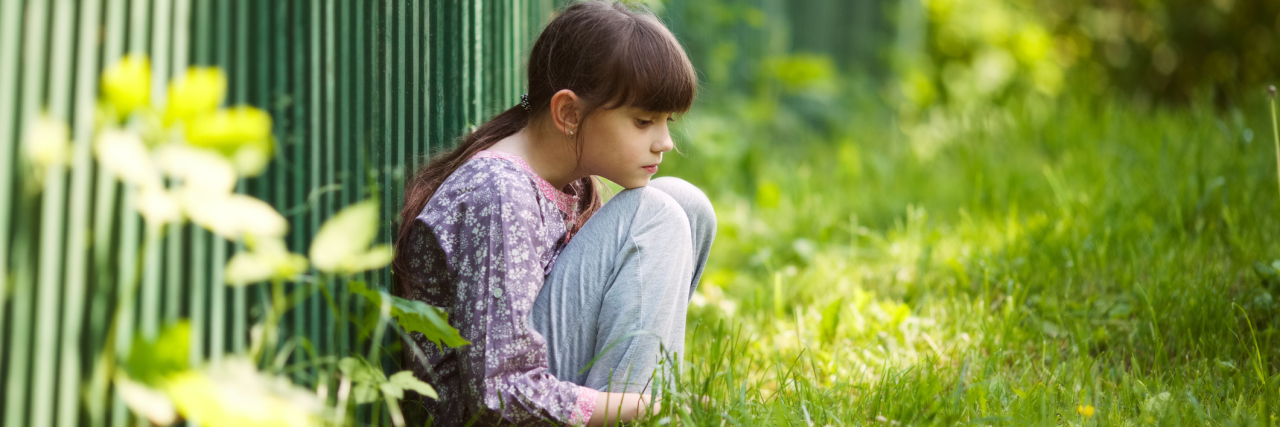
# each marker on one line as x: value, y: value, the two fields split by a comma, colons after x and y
x: 637, y: 183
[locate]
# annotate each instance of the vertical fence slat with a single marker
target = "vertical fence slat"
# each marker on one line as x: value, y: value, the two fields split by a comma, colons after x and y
x: 382, y: 100
x: 128, y: 290
x: 363, y: 124
x: 313, y: 145
x: 175, y: 261
x: 467, y: 77
x: 239, y: 299
x: 281, y: 104
x: 128, y: 267
x: 10, y: 12
x: 346, y: 174
x: 383, y: 144
x: 428, y: 82
x: 297, y: 144
x: 159, y: 78
x: 395, y: 170
x: 104, y: 226
x: 416, y: 116
x: 259, y: 53
x: 53, y: 220
x: 20, y: 350
x: 200, y: 239
x: 330, y: 163
x: 216, y: 53
x: 193, y: 22
x: 435, y: 97
x: 86, y: 89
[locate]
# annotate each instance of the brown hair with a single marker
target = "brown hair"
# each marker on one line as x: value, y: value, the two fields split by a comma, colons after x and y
x: 606, y: 53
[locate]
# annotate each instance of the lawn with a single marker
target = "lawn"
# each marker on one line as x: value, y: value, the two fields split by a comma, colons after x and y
x: 1075, y: 262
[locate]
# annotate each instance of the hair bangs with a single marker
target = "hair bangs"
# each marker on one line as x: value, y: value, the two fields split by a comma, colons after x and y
x: 651, y: 71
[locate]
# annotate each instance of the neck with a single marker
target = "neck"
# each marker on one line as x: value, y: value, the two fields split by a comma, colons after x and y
x: 547, y: 151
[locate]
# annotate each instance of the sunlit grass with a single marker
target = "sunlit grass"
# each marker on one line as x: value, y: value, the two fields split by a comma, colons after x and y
x: 1045, y: 263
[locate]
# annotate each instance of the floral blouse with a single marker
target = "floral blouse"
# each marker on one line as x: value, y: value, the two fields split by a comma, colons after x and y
x: 481, y: 250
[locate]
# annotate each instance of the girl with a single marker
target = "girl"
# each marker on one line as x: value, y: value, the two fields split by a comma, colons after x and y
x: 509, y: 235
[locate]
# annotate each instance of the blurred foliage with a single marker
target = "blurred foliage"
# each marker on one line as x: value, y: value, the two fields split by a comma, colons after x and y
x: 1170, y: 51
x: 915, y: 54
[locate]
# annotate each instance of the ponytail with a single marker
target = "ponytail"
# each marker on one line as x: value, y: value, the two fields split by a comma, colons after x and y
x: 423, y: 183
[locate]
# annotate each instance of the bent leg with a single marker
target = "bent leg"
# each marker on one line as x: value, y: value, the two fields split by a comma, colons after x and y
x: 624, y: 279
x: 702, y: 219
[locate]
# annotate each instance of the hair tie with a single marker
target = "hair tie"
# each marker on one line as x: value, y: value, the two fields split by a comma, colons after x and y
x: 524, y: 102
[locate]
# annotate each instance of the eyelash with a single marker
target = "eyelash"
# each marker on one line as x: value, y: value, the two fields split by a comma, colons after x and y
x: 646, y: 123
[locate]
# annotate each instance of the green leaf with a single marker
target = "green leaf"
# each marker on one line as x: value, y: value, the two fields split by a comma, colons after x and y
x: 348, y: 234
x: 392, y: 392
x: 416, y: 316
x: 405, y: 380
x: 360, y: 370
x: 365, y: 379
x: 233, y: 216
x: 151, y: 363
x: 234, y: 393
x: 268, y: 258
x: 377, y: 257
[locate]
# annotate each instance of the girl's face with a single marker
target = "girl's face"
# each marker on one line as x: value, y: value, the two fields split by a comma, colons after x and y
x: 625, y: 144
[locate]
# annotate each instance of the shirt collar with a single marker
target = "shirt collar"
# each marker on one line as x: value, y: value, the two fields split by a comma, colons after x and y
x: 567, y: 203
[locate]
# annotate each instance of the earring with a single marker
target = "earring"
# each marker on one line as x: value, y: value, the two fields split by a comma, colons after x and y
x: 570, y: 134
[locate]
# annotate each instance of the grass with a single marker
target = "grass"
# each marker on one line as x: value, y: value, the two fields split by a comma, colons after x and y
x: 1048, y: 262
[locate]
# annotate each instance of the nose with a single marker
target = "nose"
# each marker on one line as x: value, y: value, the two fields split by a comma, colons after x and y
x: 664, y: 143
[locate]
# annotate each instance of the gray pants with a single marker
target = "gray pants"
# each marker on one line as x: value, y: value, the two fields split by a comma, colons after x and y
x: 619, y: 291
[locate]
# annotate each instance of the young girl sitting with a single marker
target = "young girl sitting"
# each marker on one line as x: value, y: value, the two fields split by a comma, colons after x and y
x: 509, y: 235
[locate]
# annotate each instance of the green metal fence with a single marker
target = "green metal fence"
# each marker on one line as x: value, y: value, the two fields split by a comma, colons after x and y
x: 360, y: 91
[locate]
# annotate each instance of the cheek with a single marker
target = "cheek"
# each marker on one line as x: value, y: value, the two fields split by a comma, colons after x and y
x: 605, y: 142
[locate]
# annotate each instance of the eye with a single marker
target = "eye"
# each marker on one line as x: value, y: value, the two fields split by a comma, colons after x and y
x: 643, y: 123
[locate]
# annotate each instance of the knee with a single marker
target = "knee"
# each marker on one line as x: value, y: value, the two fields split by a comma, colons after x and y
x: 658, y: 210
x: 690, y: 198
x: 695, y: 204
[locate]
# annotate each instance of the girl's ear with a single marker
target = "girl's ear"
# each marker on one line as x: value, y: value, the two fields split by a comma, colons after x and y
x: 564, y: 111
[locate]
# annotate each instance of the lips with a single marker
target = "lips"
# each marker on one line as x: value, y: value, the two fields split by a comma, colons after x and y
x: 651, y: 168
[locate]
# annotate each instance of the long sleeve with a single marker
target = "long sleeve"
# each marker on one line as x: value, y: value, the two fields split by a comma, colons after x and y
x: 489, y: 230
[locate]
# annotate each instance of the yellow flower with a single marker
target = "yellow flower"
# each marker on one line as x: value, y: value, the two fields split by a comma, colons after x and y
x: 127, y: 84
x: 1086, y: 410
x: 198, y: 92
x: 242, y: 133
x: 226, y: 129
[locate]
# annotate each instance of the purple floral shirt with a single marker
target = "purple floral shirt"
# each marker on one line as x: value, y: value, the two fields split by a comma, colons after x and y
x: 481, y: 250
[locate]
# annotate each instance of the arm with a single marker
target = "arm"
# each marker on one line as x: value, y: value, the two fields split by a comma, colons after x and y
x: 491, y: 230
x: 613, y: 408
